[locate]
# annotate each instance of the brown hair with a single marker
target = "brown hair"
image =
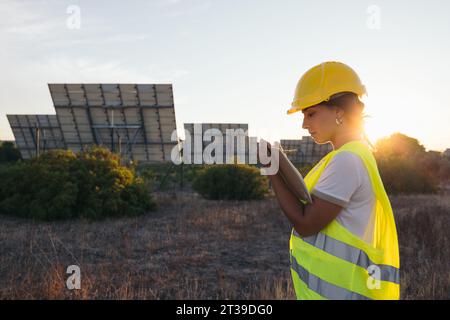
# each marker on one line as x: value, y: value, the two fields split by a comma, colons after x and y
x: 353, y: 109
x: 352, y: 106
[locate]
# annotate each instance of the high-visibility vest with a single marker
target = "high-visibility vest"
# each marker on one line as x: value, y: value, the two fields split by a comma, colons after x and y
x: 335, y: 263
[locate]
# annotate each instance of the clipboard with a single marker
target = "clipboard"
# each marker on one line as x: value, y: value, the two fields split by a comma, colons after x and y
x: 291, y: 176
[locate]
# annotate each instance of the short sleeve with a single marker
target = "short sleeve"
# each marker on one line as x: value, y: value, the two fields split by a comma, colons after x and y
x: 340, y: 179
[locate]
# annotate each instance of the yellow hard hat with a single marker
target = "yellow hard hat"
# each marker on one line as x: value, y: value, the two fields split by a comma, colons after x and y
x: 319, y: 83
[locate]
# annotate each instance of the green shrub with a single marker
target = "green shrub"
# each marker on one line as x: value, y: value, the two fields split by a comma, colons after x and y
x: 161, y: 176
x: 405, y: 167
x: 191, y: 171
x: 168, y: 176
x: 231, y: 182
x: 60, y: 185
x: 402, y: 176
x: 41, y: 187
x: 9, y: 152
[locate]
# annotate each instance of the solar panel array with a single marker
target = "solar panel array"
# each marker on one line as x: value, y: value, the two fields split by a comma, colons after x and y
x: 136, y: 120
x: 305, y: 151
x: 233, y: 151
x: 24, y: 130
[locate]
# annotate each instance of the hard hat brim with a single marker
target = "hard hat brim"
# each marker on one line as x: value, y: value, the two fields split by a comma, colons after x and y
x: 293, y: 110
x: 301, y: 107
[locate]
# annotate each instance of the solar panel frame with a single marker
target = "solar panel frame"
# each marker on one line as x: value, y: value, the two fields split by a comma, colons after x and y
x: 19, y: 135
x: 24, y: 130
x: 146, y: 116
x: 304, y: 151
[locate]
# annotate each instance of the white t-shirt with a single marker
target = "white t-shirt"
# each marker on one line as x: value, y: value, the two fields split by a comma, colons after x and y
x: 345, y: 182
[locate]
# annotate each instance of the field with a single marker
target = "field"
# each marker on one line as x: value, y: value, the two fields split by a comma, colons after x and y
x: 197, y: 249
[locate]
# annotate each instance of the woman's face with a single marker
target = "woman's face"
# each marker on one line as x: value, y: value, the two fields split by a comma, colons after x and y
x: 320, y: 121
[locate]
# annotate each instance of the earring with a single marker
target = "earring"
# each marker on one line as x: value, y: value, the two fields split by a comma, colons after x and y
x: 339, y: 121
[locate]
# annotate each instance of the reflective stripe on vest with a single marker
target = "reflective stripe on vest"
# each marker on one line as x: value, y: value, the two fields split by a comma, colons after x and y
x: 350, y: 254
x: 322, y: 287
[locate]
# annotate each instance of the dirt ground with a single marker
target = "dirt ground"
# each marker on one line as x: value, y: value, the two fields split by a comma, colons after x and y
x: 197, y: 249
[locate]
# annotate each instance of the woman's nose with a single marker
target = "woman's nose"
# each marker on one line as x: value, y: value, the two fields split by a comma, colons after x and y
x: 304, y: 125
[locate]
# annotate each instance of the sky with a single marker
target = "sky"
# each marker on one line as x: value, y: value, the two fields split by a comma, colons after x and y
x: 235, y: 61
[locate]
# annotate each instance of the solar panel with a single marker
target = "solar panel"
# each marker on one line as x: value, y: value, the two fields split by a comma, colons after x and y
x: 304, y: 151
x: 197, y: 132
x: 136, y: 120
x: 24, y: 130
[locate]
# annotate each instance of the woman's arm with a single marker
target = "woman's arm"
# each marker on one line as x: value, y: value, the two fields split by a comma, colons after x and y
x: 306, y: 219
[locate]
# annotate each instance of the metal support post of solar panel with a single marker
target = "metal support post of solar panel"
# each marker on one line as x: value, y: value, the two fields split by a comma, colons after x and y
x: 136, y: 119
x: 240, y: 131
x: 24, y: 128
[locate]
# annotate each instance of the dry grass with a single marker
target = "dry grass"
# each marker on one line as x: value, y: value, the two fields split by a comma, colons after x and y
x: 197, y: 249
x: 423, y: 223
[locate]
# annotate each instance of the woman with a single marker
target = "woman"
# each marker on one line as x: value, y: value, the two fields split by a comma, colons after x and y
x: 344, y: 244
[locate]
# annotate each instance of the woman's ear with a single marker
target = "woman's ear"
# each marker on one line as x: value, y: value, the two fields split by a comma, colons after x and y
x: 339, y: 112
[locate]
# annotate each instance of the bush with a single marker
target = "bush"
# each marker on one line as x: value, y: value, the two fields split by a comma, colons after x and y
x: 161, y: 176
x: 59, y: 185
x: 9, y: 152
x: 168, y: 176
x: 405, y: 167
x: 231, y: 182
x: 42, y: 187
x: 401, y: 176
x: 191, y: 171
